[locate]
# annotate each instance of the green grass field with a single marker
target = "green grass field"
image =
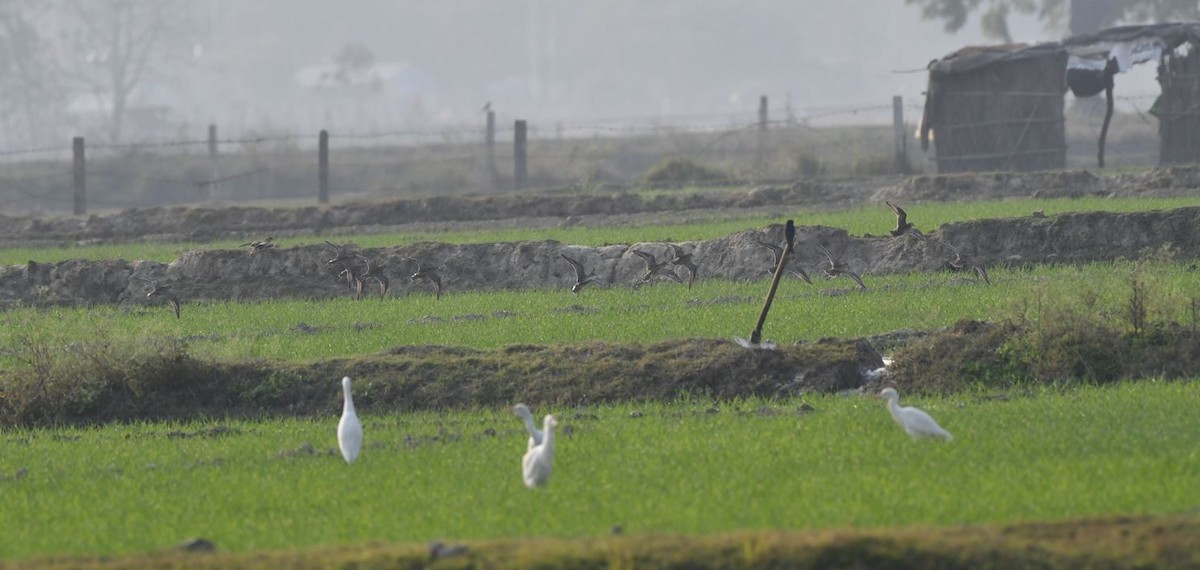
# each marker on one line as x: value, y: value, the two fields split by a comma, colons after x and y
x: 680, y: 468
x: 875, y: 219
x: 298, y: 330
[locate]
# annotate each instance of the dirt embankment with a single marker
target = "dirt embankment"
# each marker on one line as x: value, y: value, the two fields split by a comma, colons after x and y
x: 305, y: 271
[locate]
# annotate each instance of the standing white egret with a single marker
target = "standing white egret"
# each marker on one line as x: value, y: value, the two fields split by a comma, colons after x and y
x: 350, y: 435
x: 538, y: 461
x: 914, y: 421
x: 535, y: 435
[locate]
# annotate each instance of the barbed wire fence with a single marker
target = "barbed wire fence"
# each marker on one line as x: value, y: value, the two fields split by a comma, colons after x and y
x: 623, y: 152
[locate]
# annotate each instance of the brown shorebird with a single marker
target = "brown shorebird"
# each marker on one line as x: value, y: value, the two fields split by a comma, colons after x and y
x: 342, y: 254
x: 655, y: 268
x: 777, y: 251
x: 354, y: 280
x: 582, y: 277
x: 377, y: 275
x: 260, y: 245
x: 960, y: 263
x: 835, y: 269
x: 684, y: 259
x: 429, y: 274
x: 903, y: 226
x: 163, y: 291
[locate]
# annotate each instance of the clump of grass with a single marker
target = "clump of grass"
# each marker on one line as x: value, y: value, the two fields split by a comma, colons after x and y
x: 682, y: 171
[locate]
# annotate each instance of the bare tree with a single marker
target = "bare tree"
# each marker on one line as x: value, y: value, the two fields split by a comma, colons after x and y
x: 1071, y: 16
x: 114, y: 47
x: 31, y: 97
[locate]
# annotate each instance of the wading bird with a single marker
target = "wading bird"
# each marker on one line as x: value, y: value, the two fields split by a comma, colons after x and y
x: 914, y: 421
x: 539, y: 460
x: 655, y: 268
x: 685, y: 259
x: 260, y: 245
x: 353, y: 280
x: 429, y: 274
x: 836, y: 268
x: 377, y: 275
x: 777, y: 251
x: 163, y: 291
x: 960, y: 263
x: 350, y: 432
x: 582, y: 277
x: 903, y: 226
x: 535, y: 435
x: 341, y: 254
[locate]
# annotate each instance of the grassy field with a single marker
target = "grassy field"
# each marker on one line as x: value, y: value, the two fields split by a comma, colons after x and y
x: 873, y: 219
x: 679, y: 468
x: 301, y: 330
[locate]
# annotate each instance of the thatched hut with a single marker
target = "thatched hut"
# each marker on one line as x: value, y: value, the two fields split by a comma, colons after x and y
x: 997, y: 108
x: 1174, y: 48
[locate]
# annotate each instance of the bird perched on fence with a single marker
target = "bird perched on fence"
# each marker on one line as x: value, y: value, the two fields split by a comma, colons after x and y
x: 539, y: 459
x: 535, y: 434
x: 349, y: 432
x: 429, y: 274
x: 960, y: 263
x: 163, y: 291
x: 679, y: 258
x: 776, y: 252
x: 655, y: 268
x: 835, y: 268
x: 260, y: 245
x: 914, y: 420
x: 582, y: 277
x: 903, y: 226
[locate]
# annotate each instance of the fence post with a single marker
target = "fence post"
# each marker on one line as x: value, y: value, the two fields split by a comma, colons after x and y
x: 900, y: 162
x: 214, y: 170
x: 490, y: 141
x: 79, y: 171
x: 323, y: 167
x: 519, y: 155
x: 760, y: 153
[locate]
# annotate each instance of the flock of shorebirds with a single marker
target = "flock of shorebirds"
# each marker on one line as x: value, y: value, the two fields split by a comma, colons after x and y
x: 360, y: 273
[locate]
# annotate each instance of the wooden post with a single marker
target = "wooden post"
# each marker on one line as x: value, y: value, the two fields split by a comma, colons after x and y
x: 1110, y: 69
x: 789, y: 233
x: 490, y: 141
x: 519, y: 155
x: 79, y: 171
x: 760, y: 154
x: 214, y: 170
x: 900, y: 163
x: 323, y: 167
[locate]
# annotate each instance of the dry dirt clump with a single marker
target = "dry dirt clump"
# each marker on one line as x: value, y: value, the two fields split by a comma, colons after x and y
x: 305, y: 271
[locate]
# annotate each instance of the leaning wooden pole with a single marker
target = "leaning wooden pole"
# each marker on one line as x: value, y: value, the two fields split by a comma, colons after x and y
x: 790, y: 234
x: 1110, y: 69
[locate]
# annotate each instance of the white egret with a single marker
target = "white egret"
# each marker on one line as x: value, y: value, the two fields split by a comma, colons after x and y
x: 538, y: 461
x: 535, y: 435
x: 914, y: 421
x: 350, y: 433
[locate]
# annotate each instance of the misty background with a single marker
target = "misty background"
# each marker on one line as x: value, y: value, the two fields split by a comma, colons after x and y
x: 271, y: 67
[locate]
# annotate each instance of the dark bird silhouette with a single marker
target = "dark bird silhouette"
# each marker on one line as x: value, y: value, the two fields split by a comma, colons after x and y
x: 776, y: 252
x: 163, y: 291
x: 903, y: 226
x: 342, y: 254
x: 655, y: 268
x: 789, y: 232
x: 960, y: 263
x: 429, y: 274
x: 377, y: 275
x: 835, y: 269
x: 260, y: 245
x: 679, y: 258
x: 582, y: 277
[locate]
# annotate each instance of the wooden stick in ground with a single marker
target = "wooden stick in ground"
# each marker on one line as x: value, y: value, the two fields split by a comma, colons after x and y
x: 790, y: 233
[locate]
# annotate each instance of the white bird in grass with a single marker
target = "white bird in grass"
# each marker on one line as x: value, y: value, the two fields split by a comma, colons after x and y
x: 535, y: 435
x: 538, y: 461
x: 350, y: 435
x: 914, y: 421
